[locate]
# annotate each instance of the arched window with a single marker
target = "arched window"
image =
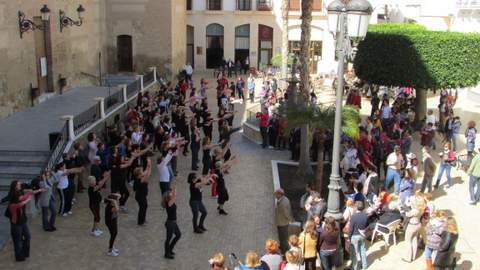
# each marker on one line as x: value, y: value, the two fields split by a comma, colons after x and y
x: 214, y: 45
x: 242, y: 44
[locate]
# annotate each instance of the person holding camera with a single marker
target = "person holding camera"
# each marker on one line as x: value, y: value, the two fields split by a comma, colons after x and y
x: 140, y: 186
x: 169, y: 203
x: 196, y: 203
x: 111, y: 221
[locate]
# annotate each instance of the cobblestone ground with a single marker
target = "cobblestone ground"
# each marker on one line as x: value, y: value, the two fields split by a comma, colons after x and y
x: 248, y: 224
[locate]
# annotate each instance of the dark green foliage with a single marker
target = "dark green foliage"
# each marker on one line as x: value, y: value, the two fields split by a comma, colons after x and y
x: 277, y: 59
x: 410, y: 55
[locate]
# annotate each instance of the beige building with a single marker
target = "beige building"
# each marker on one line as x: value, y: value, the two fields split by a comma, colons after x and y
x: 114, y: 35
x: 237, y: 29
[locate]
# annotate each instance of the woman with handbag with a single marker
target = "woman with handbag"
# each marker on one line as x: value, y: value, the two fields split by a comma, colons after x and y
x: 308, y: 243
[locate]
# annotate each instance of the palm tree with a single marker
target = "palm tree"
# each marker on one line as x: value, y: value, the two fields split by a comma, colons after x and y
x: 285, y: 9
x: 322, y: 118
x: 304, y: 168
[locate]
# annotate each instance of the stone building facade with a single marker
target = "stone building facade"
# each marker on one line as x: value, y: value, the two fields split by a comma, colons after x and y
x: 52, y: 61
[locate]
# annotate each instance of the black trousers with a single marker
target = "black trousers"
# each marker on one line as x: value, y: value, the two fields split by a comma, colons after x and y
x: 195, y: 148
x: 61, y: 195
x: 197, y: 206
x: 21, y: 240
x: 172, y: 229
x: 310, y: 263
x: 142, y: 208
x: 164, y: 187
x: 122, y: 188
x: 112, y: 226
x: 263, y: 132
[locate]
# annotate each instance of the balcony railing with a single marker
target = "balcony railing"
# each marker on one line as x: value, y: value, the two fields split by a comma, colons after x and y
x: 468, y: 4
x: 85, y: 119
x: 58, y: 148
x: 264, y: 5
x: 113, y: 100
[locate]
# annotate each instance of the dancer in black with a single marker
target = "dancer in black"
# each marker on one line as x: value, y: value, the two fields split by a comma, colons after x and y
x: 206, y: 157
x: 94, y: 200
x: 169, y: 203
x: 111, y: 220
x: 220, y: 169
x: 196, y: 203
x: 140, y: 185
x: 118, y: 170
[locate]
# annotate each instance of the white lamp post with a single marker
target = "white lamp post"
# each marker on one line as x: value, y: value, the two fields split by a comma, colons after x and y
x: 348, y: 21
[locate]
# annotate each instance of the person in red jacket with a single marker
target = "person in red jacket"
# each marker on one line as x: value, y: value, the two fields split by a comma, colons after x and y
x: 263, y: 116
x: 354, y: 98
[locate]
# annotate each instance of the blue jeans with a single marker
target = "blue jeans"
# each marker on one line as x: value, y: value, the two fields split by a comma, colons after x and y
x: 426, y: 183
x: 21, y: 240
x: 49, y: 224
x: 454, y: 141
x: 327, y: 258
x: 358, y: 246
x: 428, y: 253
x: 444, y: 167
x: 395, y: 175
x: 473, y: 184
x: 197, y: 206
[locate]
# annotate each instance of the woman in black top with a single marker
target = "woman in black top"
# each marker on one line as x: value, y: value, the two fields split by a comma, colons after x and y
x: 222, y: 191
x: 118, y: 173
x: 94, y: 199
x: 169, y: 203
x: 196, y: 203
x: 140, y: 186
x: 111, y: 221
x: 206, y: 157
x: 194, y: 143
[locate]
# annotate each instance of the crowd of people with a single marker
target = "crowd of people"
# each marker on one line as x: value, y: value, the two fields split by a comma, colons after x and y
x: 379, y: 172
x: 156, y: 131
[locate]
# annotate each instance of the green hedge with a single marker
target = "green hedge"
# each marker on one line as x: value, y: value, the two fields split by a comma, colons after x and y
x: 410, y: 55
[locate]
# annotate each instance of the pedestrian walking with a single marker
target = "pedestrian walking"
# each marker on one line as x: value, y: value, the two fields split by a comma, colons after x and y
x: 429, y: 168
x: 283, y: 217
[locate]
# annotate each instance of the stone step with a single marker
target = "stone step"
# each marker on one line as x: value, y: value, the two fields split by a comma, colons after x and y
x: 45, y: 154
x: 23, y: 161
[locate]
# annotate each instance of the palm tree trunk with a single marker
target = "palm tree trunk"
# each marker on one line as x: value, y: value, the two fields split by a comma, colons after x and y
x: 319, y: 171
x: 285, y: 9
x: 304, y: 168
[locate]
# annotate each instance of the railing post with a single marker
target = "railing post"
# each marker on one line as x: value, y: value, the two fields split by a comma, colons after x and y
x: 71, y: 130
x: 141, y: 82
x: 154, y: 69
x: 101, y: 102
x: 124, y: 91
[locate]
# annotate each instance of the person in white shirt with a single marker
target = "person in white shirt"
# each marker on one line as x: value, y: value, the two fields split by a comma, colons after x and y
x: 431, y: 118
x: 60, y: 177
x: 163, y: 172
x: 92, y: 146
x: 137, y: 136
x: 188, y: 70
x: 394, y: 163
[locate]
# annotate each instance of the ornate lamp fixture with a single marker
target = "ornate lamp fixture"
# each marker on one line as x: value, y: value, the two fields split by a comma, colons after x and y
x: 26, y: 25
x: 66, y: 21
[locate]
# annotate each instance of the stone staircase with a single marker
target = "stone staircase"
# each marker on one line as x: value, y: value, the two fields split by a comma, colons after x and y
x: 112, y: 80
x: 20, y: 165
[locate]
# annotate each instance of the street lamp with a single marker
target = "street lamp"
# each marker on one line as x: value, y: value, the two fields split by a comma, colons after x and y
x: 348, y: 21
x: 26, y: 25
x: 66, y: 21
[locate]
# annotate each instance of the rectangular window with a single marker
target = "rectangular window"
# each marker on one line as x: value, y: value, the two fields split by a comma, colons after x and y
x: 317, y: 5
x: 295, y: 5
x: 189, y: 4
x: 264, y: 5
x: 214, y: 4
x: 244, y: 4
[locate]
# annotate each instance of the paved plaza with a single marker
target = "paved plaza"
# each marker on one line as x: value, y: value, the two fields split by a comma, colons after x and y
x: 249, y: 223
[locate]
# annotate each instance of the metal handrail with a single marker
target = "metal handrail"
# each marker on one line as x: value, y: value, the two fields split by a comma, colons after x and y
x: 148, y: 78
x: 58, y: 148
x: 133, y: 88
x: 114, y: 100
x: 83, y: 120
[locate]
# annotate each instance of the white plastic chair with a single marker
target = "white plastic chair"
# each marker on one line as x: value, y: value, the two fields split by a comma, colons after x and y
x: 390, y: 229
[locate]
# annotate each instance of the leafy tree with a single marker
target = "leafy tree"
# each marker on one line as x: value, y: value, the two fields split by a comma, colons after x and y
x: 323, y: 118
x: 410, y: 55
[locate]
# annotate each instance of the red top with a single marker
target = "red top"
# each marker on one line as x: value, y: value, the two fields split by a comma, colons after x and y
x: 14, y: 206
x: 263, y: 119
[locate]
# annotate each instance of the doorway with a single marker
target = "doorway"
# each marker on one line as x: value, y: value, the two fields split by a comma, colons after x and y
x: 265, y: 46
x: 124, y: 53
x: 214, y: 45
x: 190, y: 45
x: 242, y: 43
x: 315, y: 53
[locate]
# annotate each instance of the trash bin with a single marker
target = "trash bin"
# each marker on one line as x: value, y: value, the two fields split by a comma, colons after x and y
x: 53, y: 138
